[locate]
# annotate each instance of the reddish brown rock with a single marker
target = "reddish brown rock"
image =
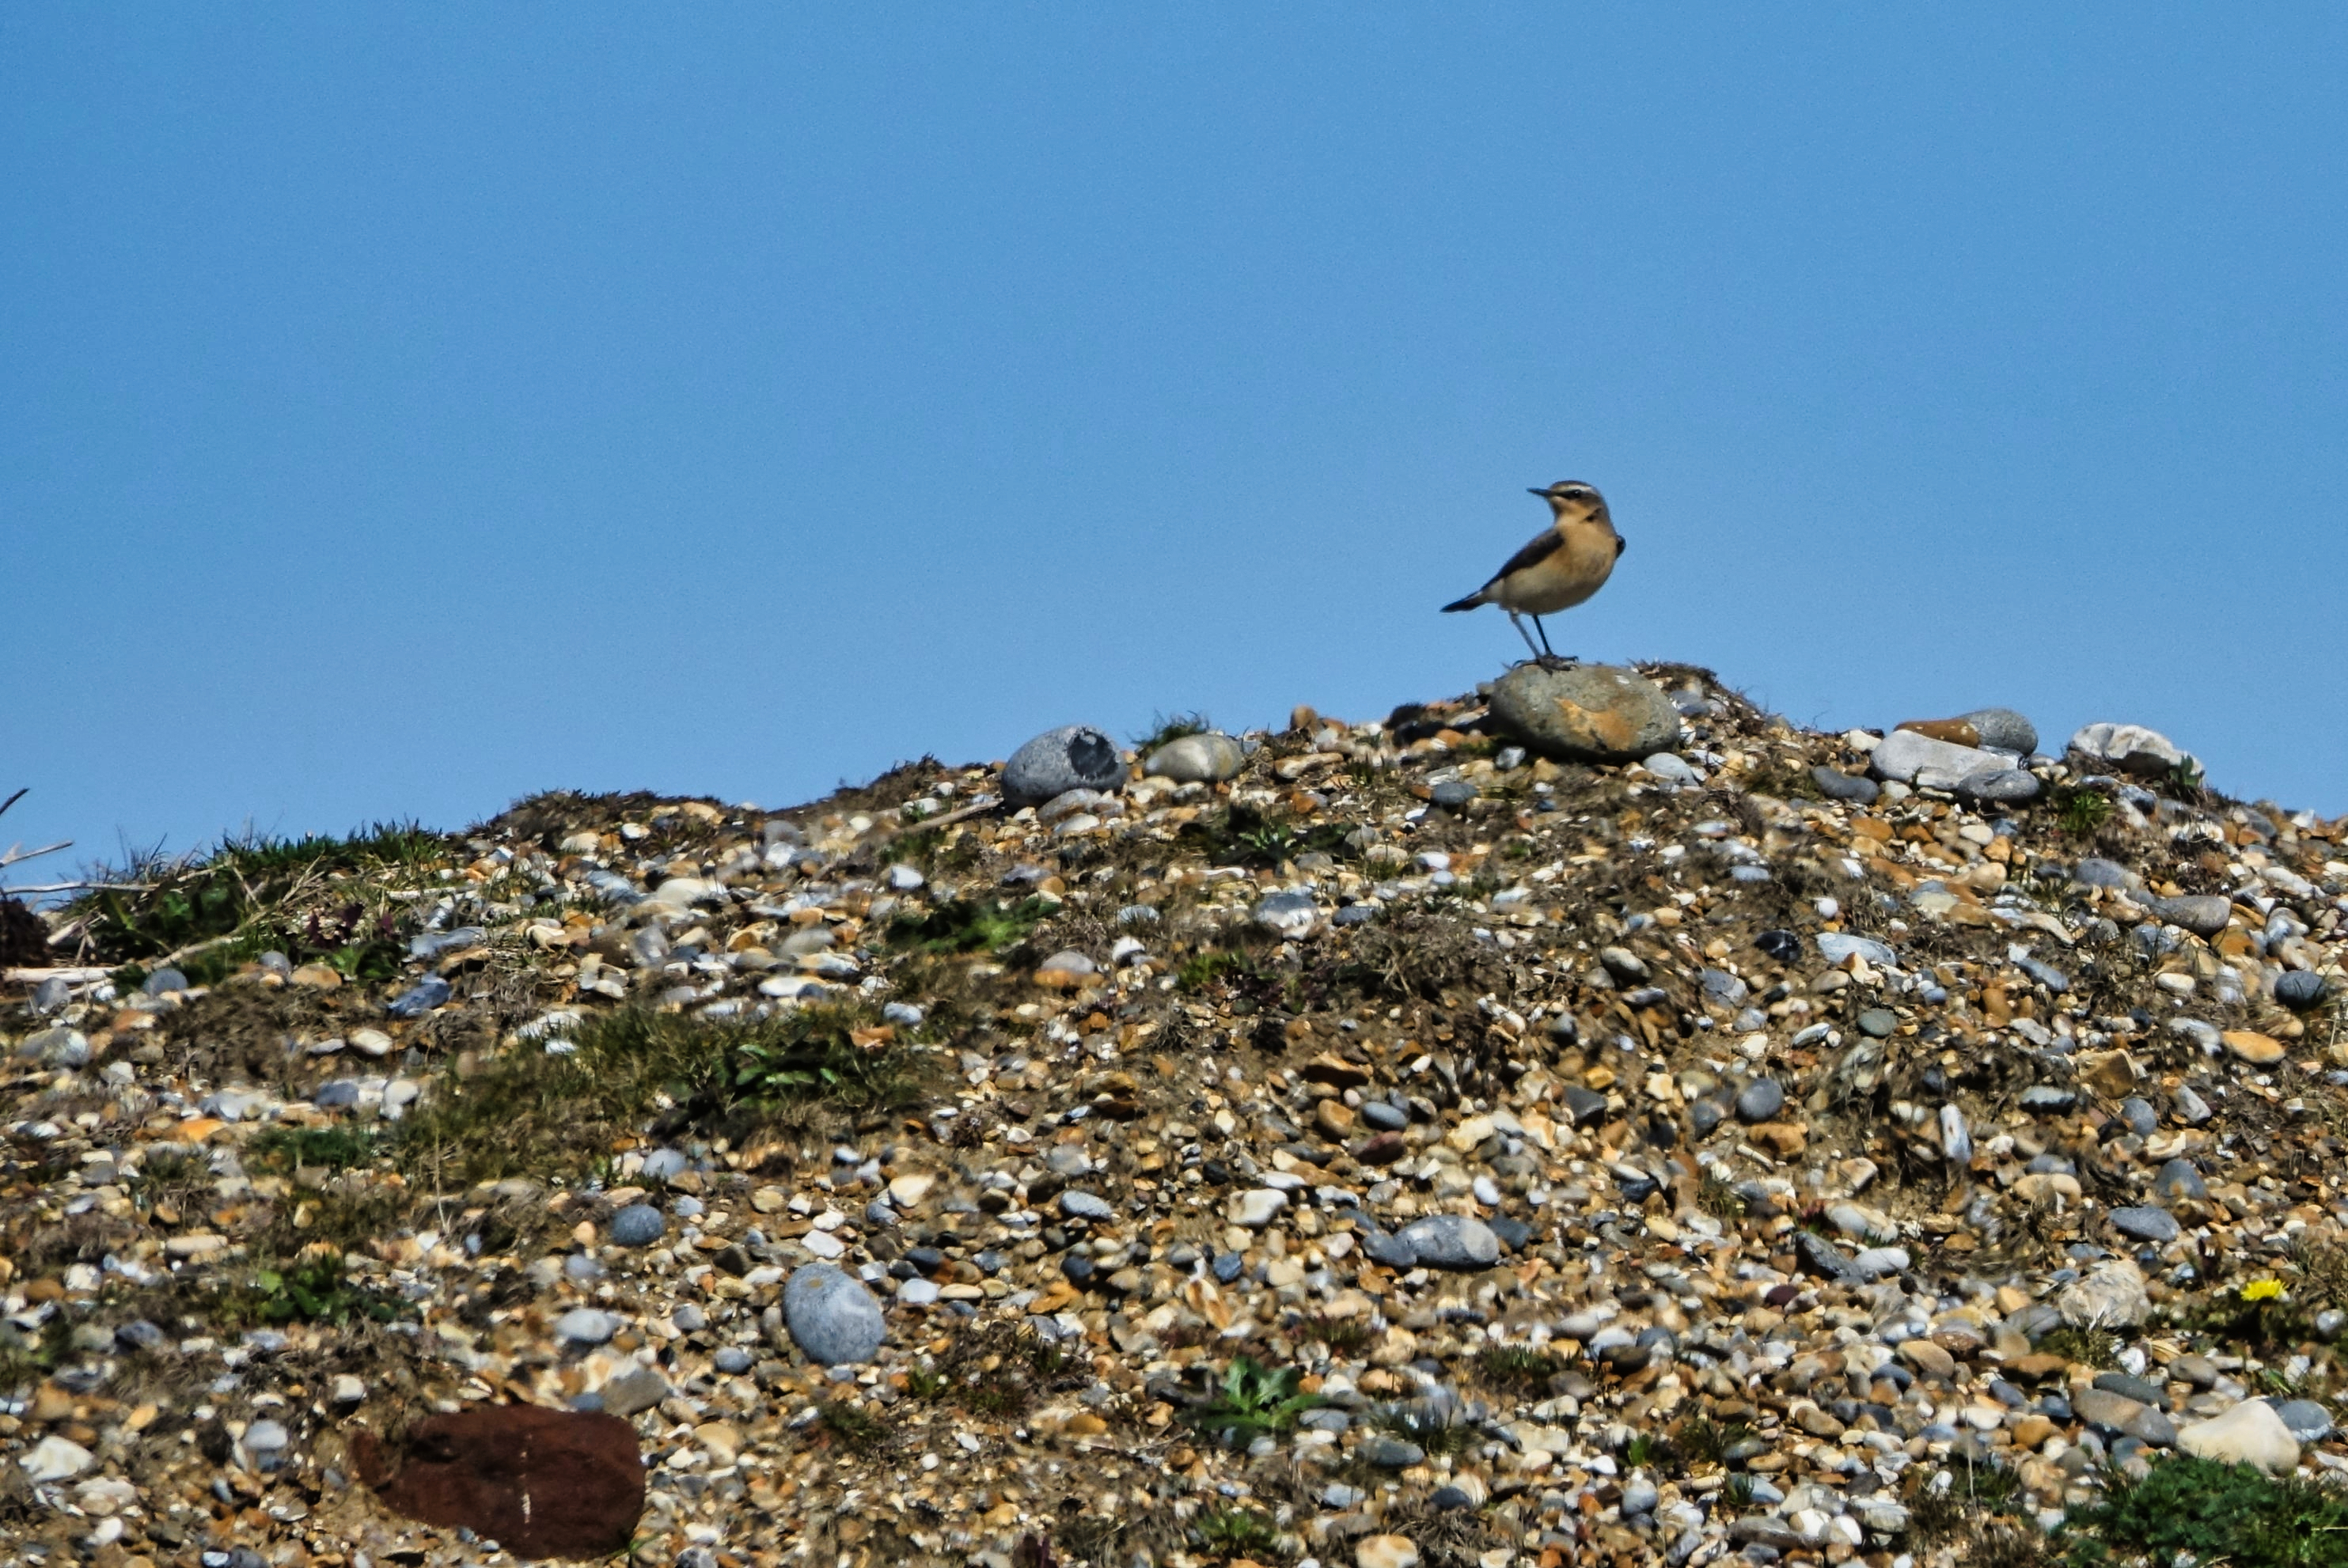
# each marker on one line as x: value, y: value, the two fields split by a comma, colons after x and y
x: 1956, y: 732
x: 539, y: 1482
x: 1384, y: 1149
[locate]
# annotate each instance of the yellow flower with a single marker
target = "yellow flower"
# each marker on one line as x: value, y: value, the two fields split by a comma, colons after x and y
x: 2263, y: 1290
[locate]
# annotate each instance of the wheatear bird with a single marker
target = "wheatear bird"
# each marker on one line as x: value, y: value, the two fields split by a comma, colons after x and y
x: 1570, y: 561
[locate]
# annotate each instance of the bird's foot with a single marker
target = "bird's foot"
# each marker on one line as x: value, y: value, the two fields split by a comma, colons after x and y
x: 1557, y: 661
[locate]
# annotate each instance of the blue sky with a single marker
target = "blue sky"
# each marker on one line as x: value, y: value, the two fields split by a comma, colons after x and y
x: 409, y: 408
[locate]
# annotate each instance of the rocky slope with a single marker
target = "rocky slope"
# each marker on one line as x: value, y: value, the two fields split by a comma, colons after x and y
x: 1424, y: 1141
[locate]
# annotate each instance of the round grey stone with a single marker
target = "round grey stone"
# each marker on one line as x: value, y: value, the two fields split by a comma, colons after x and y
x: 1208, y: 758
x: 1586, y: 713
x: 662, y: 1163
x: 162, y: 980
x: 267, y: 1437
x: 2004, y: 729
x: 1836, y: 784
x: 1080, y: 1205
x: 2148, y: 1225
x: 2178, y: 1182
x: 1452, y: 793
x: 1074, y: 756
x: 585, y: 1326
x: 1390, y: 1453
x: 2307, y: 1421
x: 2093, y: 872
x: 2204, y: 914
x: 832, y: 1317
x: 638, y: 1224
x: 2004, y: 786
x: 1385, y: 1118
x: 2141, y: 1118
x: 1451, y: 1241
x: 2300, y: 989
x: 1878, y: 1022
x: 1760, y: 1099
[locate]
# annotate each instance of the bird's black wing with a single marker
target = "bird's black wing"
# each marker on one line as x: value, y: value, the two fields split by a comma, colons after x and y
x: 1533, y: 554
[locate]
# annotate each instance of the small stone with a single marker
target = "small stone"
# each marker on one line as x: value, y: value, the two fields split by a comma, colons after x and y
x: 2249, y: 1045
x: 67, y: 1048
x: 2130, y: 749
x: 2141, y: 1118
x: 832, y: 1317
x: 1929, y: 1358
x: 1078, y: 1204
x: 1760, y: 1101
x: 2205, y: 915
x: 2112, y: 1294
x: 1074, y: 756
x: 2118, y: 1413
x: 2250, y: 1433
x: 2304, y: 1420
x: 638, y: 1224
x: 1385, y: 1552
x: 427, y: 993
x: 55, y: 1458
x: 1836, y: 784
x: 1289, y: 914
x: 2000, y: 787
x: 1208, y: 758
x: 2002, y: 728
x: 1452, y: 793
x: 1908, y: 757
x: 1257, y: 1208
x: 1671, y: 768
x: 267, y: 1437
x: 2299, y: 990
x: 1451, y: 1241
x: 2156, y: 1226
x: 634, y: 1389
x: 585, y: 1326
x: 1390, y: 1453
x: 1585, y: 713
x: 1878, y: 1024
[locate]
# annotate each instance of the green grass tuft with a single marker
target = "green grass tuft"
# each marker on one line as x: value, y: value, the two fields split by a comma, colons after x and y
x: 2216, y: 1512
x: 1252, y: 1402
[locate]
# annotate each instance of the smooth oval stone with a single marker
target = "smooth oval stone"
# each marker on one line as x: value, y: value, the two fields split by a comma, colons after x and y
x: 2178, y: 1182
x: 2130, y: 748
x: 585, y: 1326
x: 1903, y: 754
x: 2300, y: 989
x: 1083, y: 1205
x: 638, y: 1224
x: 1208, y: 758
x: 1836, y: 784
x: 2004, y: 729
x: 1586, y: 713
x: 1451, y: 1241
x: 2004, y: 786
x: 1074, y: 756
x: 1878, y: 1022
x: 832, y: 1317
x: 2205, y: 914
x: 2094, y: 872
x: 2146, y: 1225
x: 1760, y: 1101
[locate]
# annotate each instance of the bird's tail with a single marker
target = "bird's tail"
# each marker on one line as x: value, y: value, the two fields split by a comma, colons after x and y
x: 1470, y: 602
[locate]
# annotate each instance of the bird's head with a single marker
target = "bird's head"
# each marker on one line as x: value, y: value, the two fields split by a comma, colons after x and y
x: 1574, y: 501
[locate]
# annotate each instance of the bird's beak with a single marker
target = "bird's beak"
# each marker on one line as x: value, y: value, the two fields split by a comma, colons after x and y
x: 1535, y: 490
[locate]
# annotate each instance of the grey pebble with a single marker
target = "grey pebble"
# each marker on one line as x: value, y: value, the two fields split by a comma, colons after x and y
x: 1836, y: 784
x: 832, y: 1317
x: 2148, y: 1225
x: 638, y: 1224
x: 1074, y: 756
x: 1760, y: 1099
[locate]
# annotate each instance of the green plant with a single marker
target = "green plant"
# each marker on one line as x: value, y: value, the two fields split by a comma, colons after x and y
x: 2216, y: 1512
x: 313, y: 1292
x: 1518, y: 1367
x: 1702, y: 1440
x: 1244, y: 836
x: 1230, y: 1532
x: 527, y: 1112
x: 1641, y: 1451
x: 2183, y: 780
x: 998, y: 1370
x: 957, y: 926
x: 853, y: 1427
x: 2080, y: 811
x: 1718, y: 1196
x: 1340, y: 1333
x: 1252, y: 1402
x: 1201, y: 970
x: 279, y: 1150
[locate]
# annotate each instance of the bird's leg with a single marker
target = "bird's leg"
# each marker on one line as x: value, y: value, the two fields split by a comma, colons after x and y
x: 1517, y: 622
x: 1549, y: 656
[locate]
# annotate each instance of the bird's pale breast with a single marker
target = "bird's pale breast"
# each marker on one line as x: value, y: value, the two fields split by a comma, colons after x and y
x: 1577, y: 568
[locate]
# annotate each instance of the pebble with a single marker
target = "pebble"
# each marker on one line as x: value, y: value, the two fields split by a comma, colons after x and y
x: 2250, y: 1433
x: 421, y: 998
x: 585, y: 1326
x: 831, y: 1317
x: 1854, y: 788
x: 2003, y: 729
x: 2299, y: 990
x: 2129, y: 748
x: 1587, y: 714
x: 1904, y: 755
x: 54, y: 1457
x: 1074, y: 756
x: 2000, y: 787
x: 1208, y: 758
x: 1258, y: 1208
x: 2204, y: 915
x: 1288, y: 915
x: 1451, y: 1241
x: 2146, y: 1225
x: 638, y: 1224
x: 1385, y: 1552
x: 1760, y: 1101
